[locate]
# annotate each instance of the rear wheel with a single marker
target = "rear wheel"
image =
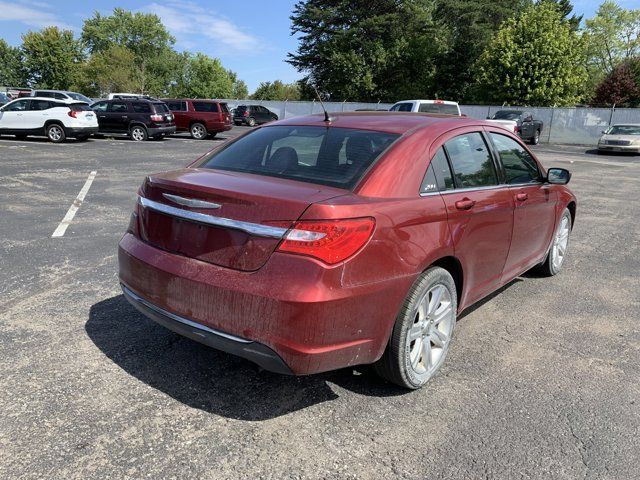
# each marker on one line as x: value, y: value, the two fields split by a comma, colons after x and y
x: 536, y: 138
x: 198, y: 131
x: 422, y: 333
x: 138, y: 133
x: 55, y: 133
x: 559, y: 245
x: 251, y: 122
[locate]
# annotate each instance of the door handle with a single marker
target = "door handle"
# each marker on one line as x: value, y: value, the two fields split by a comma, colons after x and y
x: 465, y: 204
x: 103, y: 116
x: 125, y: 116
x: 521, y: 197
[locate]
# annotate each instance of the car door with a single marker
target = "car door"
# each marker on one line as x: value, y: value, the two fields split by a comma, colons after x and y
x: 37, y: 113
x: 101, y: 109
x: 479, y: 209
x: 12, y: 117
x: 534, y: 202
x: 526, y: 130
x: 118, y: 116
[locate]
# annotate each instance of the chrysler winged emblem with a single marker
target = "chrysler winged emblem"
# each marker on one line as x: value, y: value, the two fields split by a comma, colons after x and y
x: 190, y: 202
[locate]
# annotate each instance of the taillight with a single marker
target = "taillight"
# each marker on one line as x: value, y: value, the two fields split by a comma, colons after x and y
x: 73, y: 113
x: 516, y: 129
x: 331, y: 241
x: 246, y: 113
x: 156, y: 118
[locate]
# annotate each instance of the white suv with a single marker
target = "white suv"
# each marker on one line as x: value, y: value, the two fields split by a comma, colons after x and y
x: 55, y: 119
x: 446, y: 107
x: 61, y: 95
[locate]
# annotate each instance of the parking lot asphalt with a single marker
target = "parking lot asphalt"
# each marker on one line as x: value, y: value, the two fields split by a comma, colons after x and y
x: 542, y: 380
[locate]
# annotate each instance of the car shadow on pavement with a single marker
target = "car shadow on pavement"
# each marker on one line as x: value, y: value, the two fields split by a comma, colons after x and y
x: 213, y: 381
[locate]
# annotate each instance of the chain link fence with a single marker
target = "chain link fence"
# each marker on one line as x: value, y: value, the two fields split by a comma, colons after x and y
x: 573, y: 126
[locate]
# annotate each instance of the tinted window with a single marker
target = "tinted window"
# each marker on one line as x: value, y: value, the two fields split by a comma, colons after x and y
x: 308, y: 154
x: 205, y: 106
x: 141, y: 107
x: 438, y: 108
x: 442, y: 170
x: 79, y: 97
x: 119, y: 107
x: 402, y: 107
x: 18, y: 106
x: 240, y: 109
x: 41, y: 105
x: 177, y: 106
x: 44, y: 94
x: 429, y: 183
x: 507, y: 115
x: 161, y: 108
x: 76, y: 107
x: 471, y: 161
x: 519, y: 166
x: 224, y: 108
x: 100, y: 106
x: 59, y: 96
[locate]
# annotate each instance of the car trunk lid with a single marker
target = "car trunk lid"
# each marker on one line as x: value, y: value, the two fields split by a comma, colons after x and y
x: 231, y: 219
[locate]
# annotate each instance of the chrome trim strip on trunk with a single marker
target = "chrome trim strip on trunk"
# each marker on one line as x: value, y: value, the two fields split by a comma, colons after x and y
x: 248, y: 227
x: 190, y: 202
x: 177, y: 318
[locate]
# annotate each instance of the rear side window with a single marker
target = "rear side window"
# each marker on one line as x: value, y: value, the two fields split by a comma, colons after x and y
x: 100, y: 107
x: 41, y: 105
x: 141, y: 107
x: 304, y: 153
x: 519, y: 166
x: 119, y: 107
x: 442, y: 171
x: 44, y: 94
x: 402, y: 107
x: 471, y: 161
x: 205, y: 106
x: 177, y: 106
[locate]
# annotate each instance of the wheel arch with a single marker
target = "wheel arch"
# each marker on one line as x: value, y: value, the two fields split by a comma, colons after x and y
x: 137, y: 123
x: 452, y: 265
x: 572, y: 210
x: 54, y: 121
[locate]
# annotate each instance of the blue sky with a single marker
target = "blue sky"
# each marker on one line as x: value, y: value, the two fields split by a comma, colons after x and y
x: 251, y: 37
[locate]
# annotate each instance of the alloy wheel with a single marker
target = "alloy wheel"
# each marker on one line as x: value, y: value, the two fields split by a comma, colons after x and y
x: 198, y: 131
x: 137, y: 134
x: 560, y: 243
x: 55, y: 133
x: 429, y: 337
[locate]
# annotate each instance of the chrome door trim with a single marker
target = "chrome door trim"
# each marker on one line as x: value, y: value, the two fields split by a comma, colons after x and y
x: 190, y: 202
x: 248, y: 227
x: 177, y: 318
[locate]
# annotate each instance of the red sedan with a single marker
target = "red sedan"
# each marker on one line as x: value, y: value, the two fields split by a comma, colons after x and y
x: 309, y: 245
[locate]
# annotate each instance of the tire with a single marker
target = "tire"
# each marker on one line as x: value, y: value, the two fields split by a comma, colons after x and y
x: 55, y: 133
x: 138, y: 133
x: 535, y: 139
x: 251, y: 122
x: 198, y: 131
x: 559, y: 245
x: 403, y: 361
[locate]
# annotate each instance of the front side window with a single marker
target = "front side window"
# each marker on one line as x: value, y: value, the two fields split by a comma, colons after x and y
x: 519, y: 166
x: 99, y: 107
x: 471, y: 161
x: 336, y: 157
x: 19, y: 106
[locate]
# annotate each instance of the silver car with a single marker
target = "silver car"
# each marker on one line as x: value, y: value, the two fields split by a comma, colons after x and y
x: 620, y: 138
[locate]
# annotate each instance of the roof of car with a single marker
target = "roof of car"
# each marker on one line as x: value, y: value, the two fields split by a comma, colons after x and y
x: 446, y: 102
x: 626, y: 125
x: 49, y: 99
x: 191, y: 100
x: 390, y: 122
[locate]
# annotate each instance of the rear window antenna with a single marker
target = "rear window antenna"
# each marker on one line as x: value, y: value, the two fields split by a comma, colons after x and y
x: 326, y: 115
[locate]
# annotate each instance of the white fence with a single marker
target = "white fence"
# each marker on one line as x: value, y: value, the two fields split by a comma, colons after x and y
x: 577, y: 126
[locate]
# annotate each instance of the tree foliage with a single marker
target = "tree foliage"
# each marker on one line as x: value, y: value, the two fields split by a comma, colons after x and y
x: 11, y: 71
x: 536, y: 59
x: 277, y: 90
x: 240, y: 89
x: 109, y: 70
x: 621, y: 87
x: 51, y: 58
x: 202, y: 77
x: 363, y: 50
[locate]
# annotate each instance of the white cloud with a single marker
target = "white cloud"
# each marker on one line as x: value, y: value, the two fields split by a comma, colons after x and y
x: 189, y: 22
x: 34, y: 17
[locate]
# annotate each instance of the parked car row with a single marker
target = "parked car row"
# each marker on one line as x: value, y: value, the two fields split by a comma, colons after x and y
x: 59, y: 115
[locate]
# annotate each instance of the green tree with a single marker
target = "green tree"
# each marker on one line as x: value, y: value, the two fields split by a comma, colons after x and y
x: 565, y: 7
x: 363, y: 50
x: 202, y: 77
x: 108, y: 71
x: 145, y: 37
x: 11, y: 71
x: 240, y: 89
x: 613, y: 36
x: 536, y: 59
x: 51, y: 58
x: 470, y: 26
x: 277, y: 90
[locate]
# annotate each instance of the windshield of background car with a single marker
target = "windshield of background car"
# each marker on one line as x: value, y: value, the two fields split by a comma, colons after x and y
x: 402, y: 107
x: 624, y: 130
x: 3, y: 97
x: 337, y: 157
x: 507, y: 115
x: 79, y: 97
x: 443, y: 108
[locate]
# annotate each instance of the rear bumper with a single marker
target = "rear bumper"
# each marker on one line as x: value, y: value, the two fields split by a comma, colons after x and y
x: 72, y: 131
x: 253, y: 351
x: 292, y: 308
x: 161, y: 130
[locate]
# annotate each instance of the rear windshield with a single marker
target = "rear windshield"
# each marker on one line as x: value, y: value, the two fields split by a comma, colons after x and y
x: 76, y: 107
x: 337, y: 157
x: 507, y: 115
x: 241, y: 108
x: 438, y: 108
x: 161, y: 108
x: 224, y: 108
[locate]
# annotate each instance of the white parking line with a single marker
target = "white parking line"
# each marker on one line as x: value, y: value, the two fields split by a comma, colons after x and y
x: 59, y: 232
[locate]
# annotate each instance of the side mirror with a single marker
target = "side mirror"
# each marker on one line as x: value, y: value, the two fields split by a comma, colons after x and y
x: 558, y: 176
